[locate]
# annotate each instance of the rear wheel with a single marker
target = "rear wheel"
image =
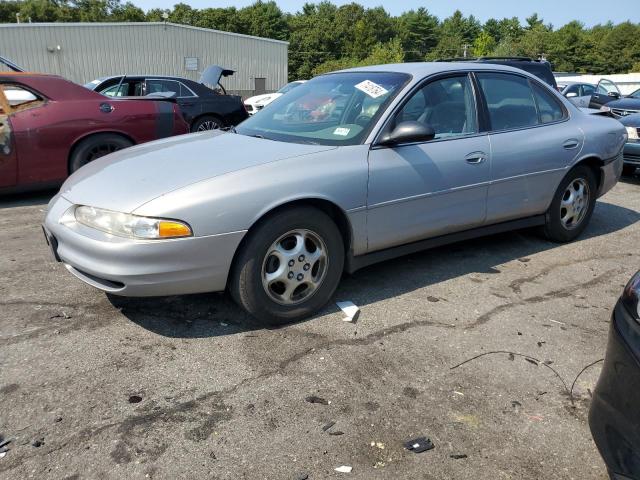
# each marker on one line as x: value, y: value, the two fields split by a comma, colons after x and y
x: 289, y: 266
x: 96, y: 146
x: 208, y: 122
x: 572, y: 205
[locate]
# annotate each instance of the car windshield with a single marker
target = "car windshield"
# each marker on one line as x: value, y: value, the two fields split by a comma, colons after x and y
x: 635, y: 94
x: 289, y: 86
x: 333, y: 109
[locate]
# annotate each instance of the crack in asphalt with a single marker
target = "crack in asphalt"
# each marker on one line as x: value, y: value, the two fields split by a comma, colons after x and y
x: 516, y: 284
x: 560, y: 293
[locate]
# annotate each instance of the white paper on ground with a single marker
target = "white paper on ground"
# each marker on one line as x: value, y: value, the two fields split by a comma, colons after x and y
x: 344, y: 469
x: 350, y: 309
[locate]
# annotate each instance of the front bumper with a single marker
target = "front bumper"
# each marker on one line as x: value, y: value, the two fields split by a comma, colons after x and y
x: 614, y: 416
x: 632, y: 153
x: 140, y: 268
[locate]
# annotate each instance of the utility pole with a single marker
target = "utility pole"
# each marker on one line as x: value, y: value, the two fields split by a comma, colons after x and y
x: 17, y: 17
x: 466, y: 48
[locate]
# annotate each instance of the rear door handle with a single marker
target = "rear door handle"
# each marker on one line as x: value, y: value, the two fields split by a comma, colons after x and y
x: 475, y: 158
x: 571, y: 144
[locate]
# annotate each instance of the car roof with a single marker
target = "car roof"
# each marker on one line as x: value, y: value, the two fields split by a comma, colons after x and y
x: 423, y: 69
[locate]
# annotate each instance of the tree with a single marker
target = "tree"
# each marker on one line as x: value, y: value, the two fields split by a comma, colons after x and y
x: 382, y: 53
x: 418, y: 33
x: 483, y: 45
x: 263, y: 19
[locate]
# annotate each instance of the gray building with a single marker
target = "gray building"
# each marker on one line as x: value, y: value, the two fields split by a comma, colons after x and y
x: 84, y: 51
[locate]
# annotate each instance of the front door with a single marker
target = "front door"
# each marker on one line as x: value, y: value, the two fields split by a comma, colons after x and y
x: 8, y: 155
x: 606, y: 92
x: 432, y: 188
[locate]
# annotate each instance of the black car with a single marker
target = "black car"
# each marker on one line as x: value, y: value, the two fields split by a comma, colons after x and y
x: 607, y: 93
x: 203, y: 108
x: 540, y: 68
x: 614, y: 416
x: 631, y: 153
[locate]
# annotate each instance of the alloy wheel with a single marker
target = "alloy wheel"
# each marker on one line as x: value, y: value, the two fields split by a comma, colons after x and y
x: 575, y: 203
x: 208, y: 125
x: 294, y: 267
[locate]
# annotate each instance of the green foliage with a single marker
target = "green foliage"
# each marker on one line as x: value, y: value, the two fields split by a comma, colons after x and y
x: 324, y: 37
x: 382, y: 53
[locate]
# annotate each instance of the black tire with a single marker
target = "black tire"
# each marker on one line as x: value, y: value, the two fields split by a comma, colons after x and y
x: 554, y: 228
x: 96, y: 146
x: 205, y: 123
x: 245, y: 281
x: 628, y: 170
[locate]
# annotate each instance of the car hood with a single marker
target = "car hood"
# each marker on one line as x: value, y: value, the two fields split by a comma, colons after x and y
x: 630, y: 103
x: 262, y: 98
x: 631, y: 120
x: 127, y: 179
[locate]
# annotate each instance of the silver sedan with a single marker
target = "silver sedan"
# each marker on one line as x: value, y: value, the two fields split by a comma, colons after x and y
x: 351, y: 168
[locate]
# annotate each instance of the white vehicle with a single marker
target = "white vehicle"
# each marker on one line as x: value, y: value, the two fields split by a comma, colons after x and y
x: 258, y: 102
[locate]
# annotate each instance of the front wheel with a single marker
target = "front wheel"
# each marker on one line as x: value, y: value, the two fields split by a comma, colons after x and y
x: 289, y: 267
x: 572, y: 205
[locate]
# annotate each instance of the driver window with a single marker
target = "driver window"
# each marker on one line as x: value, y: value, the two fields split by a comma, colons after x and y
x: 447, y: 105
x: 19, y: 98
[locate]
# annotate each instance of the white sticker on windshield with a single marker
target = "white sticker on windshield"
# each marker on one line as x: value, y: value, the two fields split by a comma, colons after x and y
x: 372, y: 89
x: 343, y: 132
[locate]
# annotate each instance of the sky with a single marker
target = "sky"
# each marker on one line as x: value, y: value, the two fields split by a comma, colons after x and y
x: 557, y: 12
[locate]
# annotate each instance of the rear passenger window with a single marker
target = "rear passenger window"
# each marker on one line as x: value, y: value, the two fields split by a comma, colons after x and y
x: 549, y: 109
x: 509, y: 101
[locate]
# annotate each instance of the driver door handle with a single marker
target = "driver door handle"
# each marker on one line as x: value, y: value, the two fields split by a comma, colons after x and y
x: 475, y: 158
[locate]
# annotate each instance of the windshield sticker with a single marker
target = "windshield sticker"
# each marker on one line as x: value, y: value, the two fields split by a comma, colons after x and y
x: 343, y: 132
x: 372, y: 89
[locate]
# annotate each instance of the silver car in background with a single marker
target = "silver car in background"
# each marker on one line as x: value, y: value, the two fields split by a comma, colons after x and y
x: 351, y: 168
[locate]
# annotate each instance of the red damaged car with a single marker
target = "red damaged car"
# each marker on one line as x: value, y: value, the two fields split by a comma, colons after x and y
x: 50, y: 127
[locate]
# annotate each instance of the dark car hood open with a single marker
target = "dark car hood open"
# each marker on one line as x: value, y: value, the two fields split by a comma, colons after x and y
x: 212, y: 74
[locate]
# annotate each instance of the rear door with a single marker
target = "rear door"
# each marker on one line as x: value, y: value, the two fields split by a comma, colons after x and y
x: 8, y: 156
x: 606, y: 91
x: 189, y: 106
x: 532, y: 143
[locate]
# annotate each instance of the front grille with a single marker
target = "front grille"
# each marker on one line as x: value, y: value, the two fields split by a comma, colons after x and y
x: 623, y: 112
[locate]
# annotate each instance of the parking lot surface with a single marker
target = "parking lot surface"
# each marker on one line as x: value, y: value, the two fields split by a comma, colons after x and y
x: 96, y: 386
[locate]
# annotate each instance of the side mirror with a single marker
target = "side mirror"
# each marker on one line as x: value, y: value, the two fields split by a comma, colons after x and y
x: 614, y: 94
x: 408, y: 132
x: 571, y: 95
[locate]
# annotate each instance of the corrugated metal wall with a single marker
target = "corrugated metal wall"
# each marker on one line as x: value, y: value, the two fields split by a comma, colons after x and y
x: 84, y: 51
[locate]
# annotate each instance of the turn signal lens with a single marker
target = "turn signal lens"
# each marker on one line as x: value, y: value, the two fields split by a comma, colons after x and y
x: 167, y: 229
x: 131, y: 226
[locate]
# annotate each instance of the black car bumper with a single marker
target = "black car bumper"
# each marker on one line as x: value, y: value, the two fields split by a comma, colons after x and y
x: 614, y: 416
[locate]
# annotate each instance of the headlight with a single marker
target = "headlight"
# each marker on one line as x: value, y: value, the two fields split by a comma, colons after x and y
x: 131, y: 226
x: 633, y: 133
x: 631, y: 295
